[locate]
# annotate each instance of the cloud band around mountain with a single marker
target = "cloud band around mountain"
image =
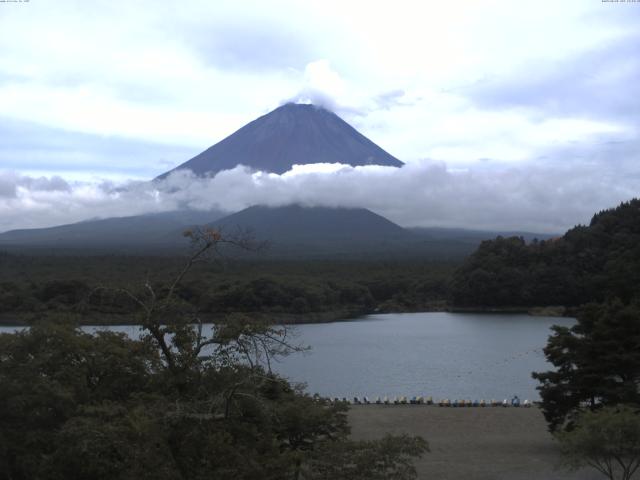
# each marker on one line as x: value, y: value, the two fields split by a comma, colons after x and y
x: 533, y: 198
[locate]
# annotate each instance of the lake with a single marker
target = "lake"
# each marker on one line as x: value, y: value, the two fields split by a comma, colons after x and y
x: 453, y: 355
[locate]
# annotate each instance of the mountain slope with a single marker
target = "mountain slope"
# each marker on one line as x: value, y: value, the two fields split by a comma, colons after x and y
x: 294, y: 223
x: 294, y: 230
x: 291, y: 134
x: 135, y: 231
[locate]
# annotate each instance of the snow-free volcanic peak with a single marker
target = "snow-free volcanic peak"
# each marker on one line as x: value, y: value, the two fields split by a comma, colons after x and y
x: 291, y: 134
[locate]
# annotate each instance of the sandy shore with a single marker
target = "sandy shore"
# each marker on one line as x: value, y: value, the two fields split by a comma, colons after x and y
x: 471, y: 443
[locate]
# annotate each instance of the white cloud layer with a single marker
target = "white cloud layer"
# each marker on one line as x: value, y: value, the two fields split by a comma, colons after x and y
x: 540, y: 199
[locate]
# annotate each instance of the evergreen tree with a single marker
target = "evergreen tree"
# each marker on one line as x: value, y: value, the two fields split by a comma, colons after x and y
x: 597, y: 363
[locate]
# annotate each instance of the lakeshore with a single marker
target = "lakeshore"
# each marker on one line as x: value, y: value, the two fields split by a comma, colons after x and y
x: 471, y: 443
x: 21, y: 319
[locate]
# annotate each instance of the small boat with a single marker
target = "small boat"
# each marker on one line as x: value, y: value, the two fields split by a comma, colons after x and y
x: 429, y: 401
x: 378, y: 400
x: 505, y: 403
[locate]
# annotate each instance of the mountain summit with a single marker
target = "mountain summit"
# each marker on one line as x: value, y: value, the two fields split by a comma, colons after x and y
x: 291, y: 134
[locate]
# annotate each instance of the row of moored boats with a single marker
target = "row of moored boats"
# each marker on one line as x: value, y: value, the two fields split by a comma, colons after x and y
x: 445, y: 402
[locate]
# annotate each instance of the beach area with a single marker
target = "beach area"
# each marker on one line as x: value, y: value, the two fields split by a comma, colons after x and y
x: 491, y: 443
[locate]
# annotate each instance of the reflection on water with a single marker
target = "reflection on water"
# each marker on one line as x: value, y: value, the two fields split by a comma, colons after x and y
x: 439, y: 354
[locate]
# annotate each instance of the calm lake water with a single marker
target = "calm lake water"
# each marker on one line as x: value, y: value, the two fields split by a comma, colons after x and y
x: 449, y: 355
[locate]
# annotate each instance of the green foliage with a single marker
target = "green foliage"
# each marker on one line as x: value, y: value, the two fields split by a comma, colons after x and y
x: 79, y: 406
x: 179, y: 403
x: 587, y: 264
x: 69, y: 292
x: 50, y: 372
x: 597, y: 363
x: 607, y: 440
x: 289, y: 290
x: 387, y: 458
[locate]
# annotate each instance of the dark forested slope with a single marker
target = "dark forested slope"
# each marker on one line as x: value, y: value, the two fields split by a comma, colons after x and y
x: 588, y: 263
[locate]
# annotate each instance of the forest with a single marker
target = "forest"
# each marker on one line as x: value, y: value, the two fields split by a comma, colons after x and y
x: 36, y: 287
x: 587, y: 264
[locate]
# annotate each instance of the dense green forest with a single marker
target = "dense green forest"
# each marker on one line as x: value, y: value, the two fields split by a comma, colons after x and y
x: 35, y: 287
x: 588, y: 264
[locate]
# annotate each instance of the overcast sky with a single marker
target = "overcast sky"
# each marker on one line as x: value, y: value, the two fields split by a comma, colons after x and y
x: 509, y: 114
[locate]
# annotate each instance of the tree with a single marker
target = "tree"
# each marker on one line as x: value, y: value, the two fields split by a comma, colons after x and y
x: 607, y: 440
x: 587, y: 264
x: 388, y: 458
x: 180, y: 402
x: 597, y: 363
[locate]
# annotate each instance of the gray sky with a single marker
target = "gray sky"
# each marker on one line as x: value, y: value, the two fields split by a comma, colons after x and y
x: 517, y: 115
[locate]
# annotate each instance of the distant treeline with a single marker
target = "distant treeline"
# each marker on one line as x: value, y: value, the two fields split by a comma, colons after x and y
x: 588, y: 264
x: 33, y: 287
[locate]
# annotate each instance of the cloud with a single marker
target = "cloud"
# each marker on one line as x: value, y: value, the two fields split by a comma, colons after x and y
x: 11, y: 184
x: 325, y: 87
x: 322, y: 86
x: 599, y: 83
x: 8, y: 186
x: 30, y: 147
x: 251, y: 46
x: 539, y: 198
x: 390, y: 99
x: 314, y: 97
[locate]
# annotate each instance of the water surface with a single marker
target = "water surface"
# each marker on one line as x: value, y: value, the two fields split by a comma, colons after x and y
x: 438, y: 354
